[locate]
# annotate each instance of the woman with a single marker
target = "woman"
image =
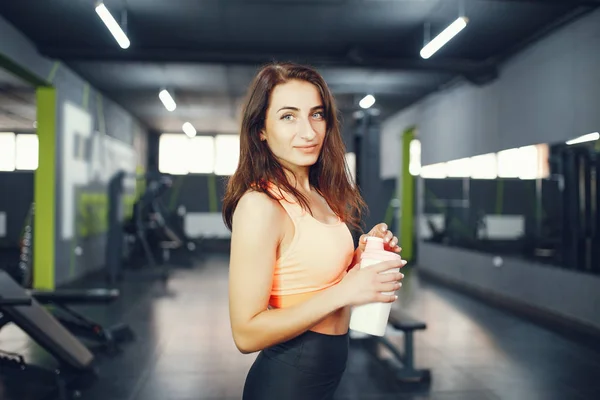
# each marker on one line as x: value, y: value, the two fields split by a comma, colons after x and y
x: 289, y: 205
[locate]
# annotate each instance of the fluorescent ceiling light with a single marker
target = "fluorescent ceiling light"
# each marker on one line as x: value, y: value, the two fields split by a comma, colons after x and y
x: 167, y: 100
x: 367, y: 101
x: 590, y: 137
x: 189, y: 129
x: 112, y: 26
x: 444, y: 37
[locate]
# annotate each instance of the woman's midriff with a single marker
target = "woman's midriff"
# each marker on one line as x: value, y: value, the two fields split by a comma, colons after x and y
x: 335, y: 323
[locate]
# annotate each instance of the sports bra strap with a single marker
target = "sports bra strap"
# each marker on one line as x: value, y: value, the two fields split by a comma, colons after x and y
x: 294, y: 210
x: 292, y: 207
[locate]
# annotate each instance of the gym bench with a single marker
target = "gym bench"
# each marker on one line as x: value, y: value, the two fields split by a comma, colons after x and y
x: 76, y: 364
x: 79, y: 325
x: 407, y: 373
x: 14, y: 301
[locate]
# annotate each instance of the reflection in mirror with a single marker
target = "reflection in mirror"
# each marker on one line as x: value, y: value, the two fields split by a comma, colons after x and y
x: 538, y: 202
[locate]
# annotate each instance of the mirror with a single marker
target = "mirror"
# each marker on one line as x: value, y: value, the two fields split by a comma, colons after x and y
x: 540, y: 203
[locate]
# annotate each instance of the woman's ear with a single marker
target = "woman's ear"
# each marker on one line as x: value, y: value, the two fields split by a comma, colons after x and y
x: 262, y: 136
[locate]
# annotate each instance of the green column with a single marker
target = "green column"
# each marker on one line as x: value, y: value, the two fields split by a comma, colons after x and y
x: 213, y: 199
x: 406, y: 189
x: 44, y: 191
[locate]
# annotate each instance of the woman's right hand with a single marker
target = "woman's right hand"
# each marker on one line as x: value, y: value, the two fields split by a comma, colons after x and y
x: 365, y: 285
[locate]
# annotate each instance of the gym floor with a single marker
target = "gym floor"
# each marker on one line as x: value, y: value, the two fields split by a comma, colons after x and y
x: 184, y: 349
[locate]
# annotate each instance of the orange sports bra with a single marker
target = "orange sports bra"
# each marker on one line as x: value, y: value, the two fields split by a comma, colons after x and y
x: 318, y: 256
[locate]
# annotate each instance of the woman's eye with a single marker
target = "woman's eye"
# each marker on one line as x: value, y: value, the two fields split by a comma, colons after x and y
x: 318, y: 115
x: 287, y: 117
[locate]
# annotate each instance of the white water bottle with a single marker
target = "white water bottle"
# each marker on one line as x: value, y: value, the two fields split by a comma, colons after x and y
x: 372, y: 318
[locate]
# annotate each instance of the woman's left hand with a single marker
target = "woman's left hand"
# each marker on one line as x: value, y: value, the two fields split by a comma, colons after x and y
x: 381, y: 230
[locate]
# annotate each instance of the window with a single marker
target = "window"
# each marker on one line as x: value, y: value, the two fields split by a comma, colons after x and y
x: 351, y: 162
x: 7, y: 151
x: 529, y: 162
x: 202, y: 154
x: 181, y: 155
x: 484, y: 166
x: 18, y: 152
x: 27, y: 152
x: 509, y: 165
x: 414, y: 163
x: 227, y: 154
x: 434, y: 171
x: 173, y: 154
x: 460, y: 168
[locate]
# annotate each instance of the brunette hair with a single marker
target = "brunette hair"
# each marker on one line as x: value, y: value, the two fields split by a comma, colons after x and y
x: 258, y: 167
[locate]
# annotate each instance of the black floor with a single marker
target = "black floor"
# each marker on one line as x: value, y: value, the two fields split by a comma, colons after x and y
x: 184, y: 349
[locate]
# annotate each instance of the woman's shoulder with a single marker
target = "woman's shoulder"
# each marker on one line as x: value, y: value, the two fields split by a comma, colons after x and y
x: 258, y: 202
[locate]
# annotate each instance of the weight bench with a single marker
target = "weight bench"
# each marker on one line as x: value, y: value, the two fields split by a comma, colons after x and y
x: 75, y: 361
x: 80, y: 325
x: 15, y: 301
x: 401, y: 321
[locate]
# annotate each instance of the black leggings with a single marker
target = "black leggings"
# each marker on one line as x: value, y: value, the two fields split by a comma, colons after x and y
x: 307, y: 367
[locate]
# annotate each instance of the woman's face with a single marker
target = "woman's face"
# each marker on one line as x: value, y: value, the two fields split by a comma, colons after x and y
x: 295, y: 124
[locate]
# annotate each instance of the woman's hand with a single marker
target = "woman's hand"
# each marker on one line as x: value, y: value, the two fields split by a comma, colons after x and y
x: 381, y: 230
x: 365, y: 285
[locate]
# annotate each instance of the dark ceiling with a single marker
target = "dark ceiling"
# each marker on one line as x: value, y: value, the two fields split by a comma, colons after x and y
x: 207, y: 51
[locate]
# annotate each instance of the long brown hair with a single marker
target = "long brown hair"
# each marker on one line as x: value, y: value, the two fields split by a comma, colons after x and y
x: 258, y: 166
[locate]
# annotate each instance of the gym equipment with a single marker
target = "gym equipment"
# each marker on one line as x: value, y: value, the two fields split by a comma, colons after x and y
x: 135, y: 232
x: 401, y: 321
x: 596, y: 207
x: 61, y: 299
x: 76, y: 362
x: 114, y: 240
x: 151, y: 233
x: 108, y: 337
x: 580, y: 169
x: 15, y: 301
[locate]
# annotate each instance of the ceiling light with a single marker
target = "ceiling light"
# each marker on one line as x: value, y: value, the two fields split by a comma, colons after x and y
x: 167, y: 100
x: 112, y: 25
x: 367, y: 101
x: 590, y: 137
x: 189, y: 129
x: 444, y: 37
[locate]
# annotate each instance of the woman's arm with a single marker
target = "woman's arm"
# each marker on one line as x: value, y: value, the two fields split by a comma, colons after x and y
x: 257, y: 232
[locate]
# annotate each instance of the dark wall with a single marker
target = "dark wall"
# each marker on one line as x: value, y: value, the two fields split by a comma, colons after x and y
x: 95, y: 139
x: 17, y: 195
x: 17, y: 189
x: 93, y: 136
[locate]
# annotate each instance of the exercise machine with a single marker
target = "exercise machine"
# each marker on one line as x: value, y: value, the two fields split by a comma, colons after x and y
x: 62, y: 300
x: 15, y: 301
x: 75, y: 370
x: 579, y: 167
x: 127, y: 238
x: 83, y: 327
x: 150, y: 235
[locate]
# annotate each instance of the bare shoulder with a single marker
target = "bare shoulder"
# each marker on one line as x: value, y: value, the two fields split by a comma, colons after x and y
x: 257, y: 209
